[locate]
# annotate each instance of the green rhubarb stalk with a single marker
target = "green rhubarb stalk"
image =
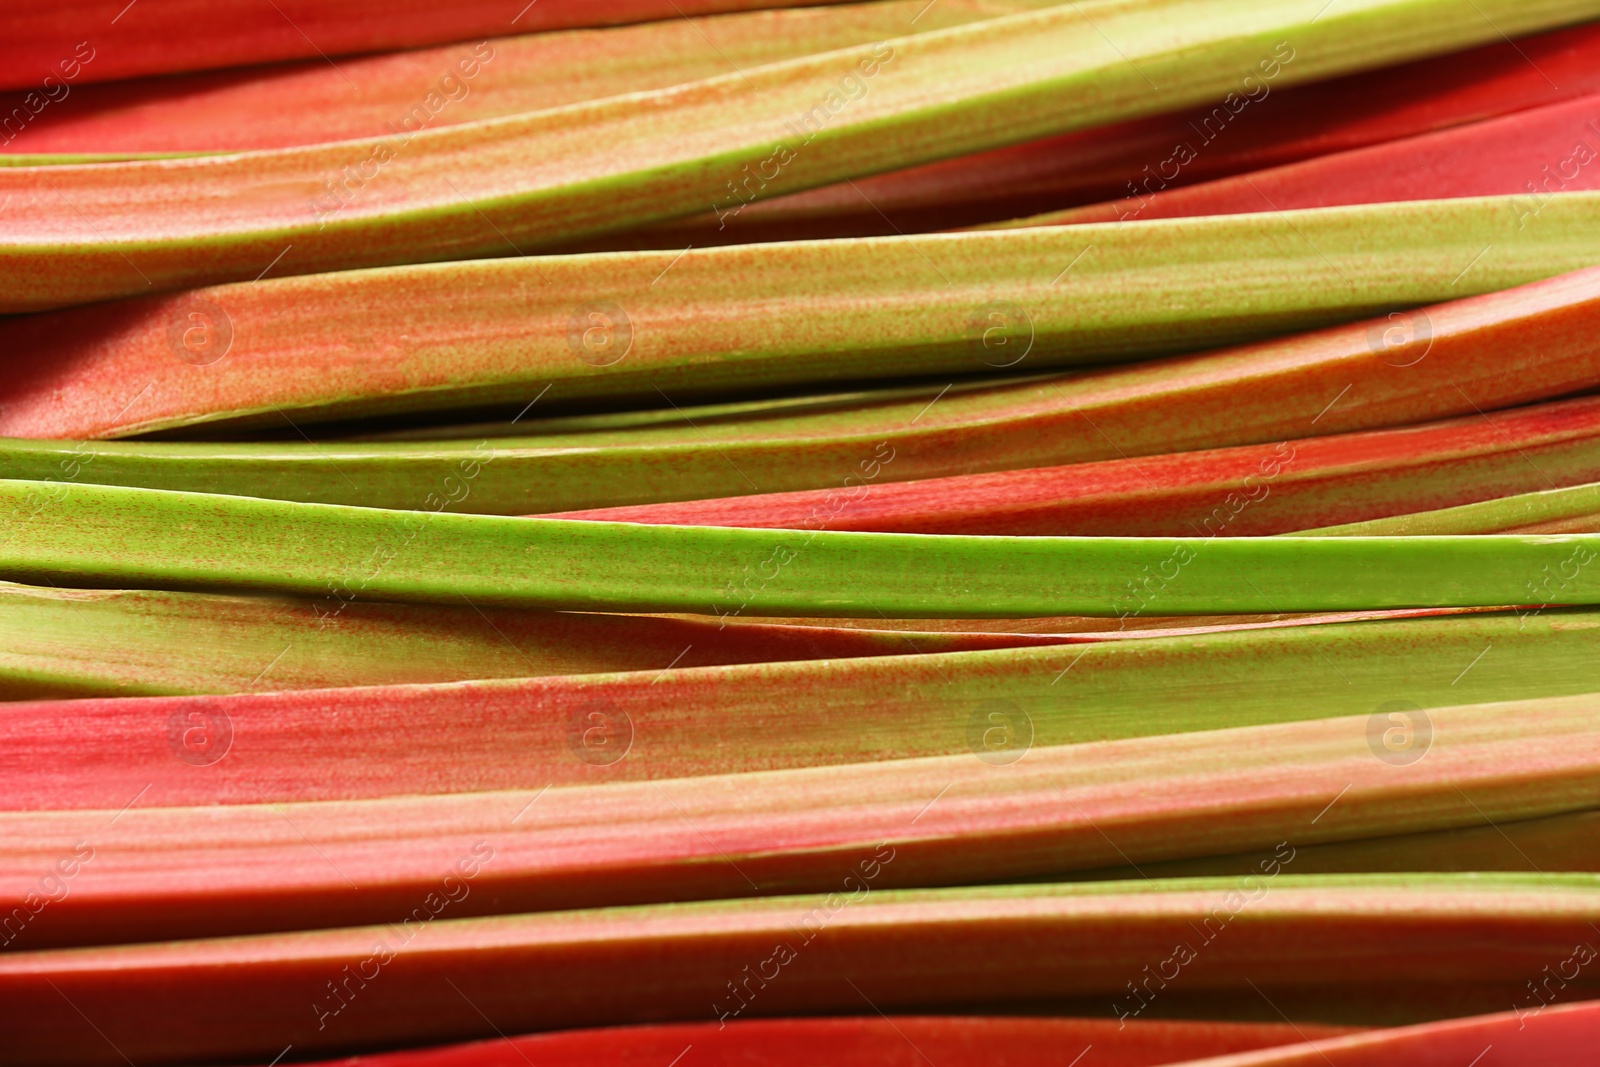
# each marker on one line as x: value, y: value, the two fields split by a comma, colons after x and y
x: 1101, y: 628
x: 1424, y: 937
x: 110, y: 535
x: 506, y: 186
x: 1566, y: 842
x: 678, y: 416
x: 1458, y: 358
x: 356, y: 743
x: 62, y: 159
x: 1573, y: 509
x: 61, y: 643
x: 90, y: 642
x: 695, y: 324
x: 1174, y: 149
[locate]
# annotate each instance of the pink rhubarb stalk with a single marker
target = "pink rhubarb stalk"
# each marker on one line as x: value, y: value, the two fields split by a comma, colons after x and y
x: 1250, y: 490
x: 998, y: 813
x: 377, y: 741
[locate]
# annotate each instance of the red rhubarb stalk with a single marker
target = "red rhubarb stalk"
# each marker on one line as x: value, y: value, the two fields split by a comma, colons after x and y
x: 1535, y: 1034
x: 312, y: 100
x: 903, y: 1041
x: 354, y: 743
x: 1529, y: 155
x: 1252, y: 490
x: 1004, y: 812
x: 170, y: 36
x: 1429, y: 941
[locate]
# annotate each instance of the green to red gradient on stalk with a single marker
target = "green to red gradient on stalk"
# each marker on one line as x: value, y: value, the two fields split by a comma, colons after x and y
x: 993, y: 815
x: 58, y: 642
x: 1574, y: 509
x: 484, y: 76
x: 541, y: 179
x: 1263, y: 126
x: 666, y: 329
x: 1251, y: 490
x: 1457, y: 359
x: 524, y: 734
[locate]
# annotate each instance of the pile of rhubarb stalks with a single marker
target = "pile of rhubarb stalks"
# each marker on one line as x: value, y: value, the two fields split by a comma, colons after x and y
x: 676, y: 533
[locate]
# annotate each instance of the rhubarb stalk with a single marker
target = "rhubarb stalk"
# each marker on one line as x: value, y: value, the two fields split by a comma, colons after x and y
x: 648, y: 326
x: 370, y: 742
x: 510, y: 185
x: 999, y: 945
